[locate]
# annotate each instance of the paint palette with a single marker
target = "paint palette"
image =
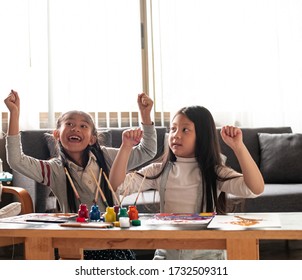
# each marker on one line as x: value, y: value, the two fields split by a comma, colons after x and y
x: 181, y: 218
x: 184, y: 216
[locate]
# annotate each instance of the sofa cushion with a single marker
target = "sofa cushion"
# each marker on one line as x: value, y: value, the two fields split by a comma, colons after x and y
x: 34, y: 144
x: 280, y: 157
x: 105, y: 137
x: 276, y: 198
x: 250, y: 139
x: 51, y: 144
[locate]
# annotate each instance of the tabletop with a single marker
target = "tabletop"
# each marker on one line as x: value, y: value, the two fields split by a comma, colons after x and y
x: 71, y: 241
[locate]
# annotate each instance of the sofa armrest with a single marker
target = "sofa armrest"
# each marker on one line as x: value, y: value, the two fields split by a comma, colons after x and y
x: 22, y: 196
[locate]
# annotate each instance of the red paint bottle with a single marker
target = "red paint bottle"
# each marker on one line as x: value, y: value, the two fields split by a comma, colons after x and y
x: 82, y: 213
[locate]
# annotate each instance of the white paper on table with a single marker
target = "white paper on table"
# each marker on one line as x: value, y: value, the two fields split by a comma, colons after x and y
x: 245, y: 221
x: 39, y: 217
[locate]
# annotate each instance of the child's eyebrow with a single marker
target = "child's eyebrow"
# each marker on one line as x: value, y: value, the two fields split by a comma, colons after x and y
x: 182, y: 123
x: 73, y: 119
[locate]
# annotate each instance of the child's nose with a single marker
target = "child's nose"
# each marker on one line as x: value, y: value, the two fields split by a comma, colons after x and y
x: 75, y: 128
x: 176, y: 135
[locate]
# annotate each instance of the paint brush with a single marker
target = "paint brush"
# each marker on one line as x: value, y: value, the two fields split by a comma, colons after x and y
x: 96, y: 195
x: 140, y: 188
x: 100, y: 190
x: 127, y: 189
x: 100, y: 176
x: 98, y: 184
x: 72, y: 185
x: 113, y: 192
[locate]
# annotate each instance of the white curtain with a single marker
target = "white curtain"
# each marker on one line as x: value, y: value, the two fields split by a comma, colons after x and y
x: 241, y: 59
x: 70, y: 54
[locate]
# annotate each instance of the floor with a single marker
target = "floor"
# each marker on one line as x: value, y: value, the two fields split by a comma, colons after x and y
x: 281, y: 250
x: 269, y: 250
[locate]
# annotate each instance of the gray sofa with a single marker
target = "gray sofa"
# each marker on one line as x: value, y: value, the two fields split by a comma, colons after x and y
x: 36, y: 144
x: 275, y: 150
x: 278, y: 153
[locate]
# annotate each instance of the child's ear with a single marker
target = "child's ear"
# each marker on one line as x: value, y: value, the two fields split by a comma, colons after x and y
x: 92, y: 140
x: 56, y: 134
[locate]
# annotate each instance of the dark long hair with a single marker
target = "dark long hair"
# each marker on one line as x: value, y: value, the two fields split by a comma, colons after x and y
x: 95, y: 149
x: 207, y: 154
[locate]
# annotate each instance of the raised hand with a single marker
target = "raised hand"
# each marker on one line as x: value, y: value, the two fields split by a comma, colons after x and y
x: 131, y: 137
x: 232, y: 136
x: 12, y: 101
x: 145, y: 104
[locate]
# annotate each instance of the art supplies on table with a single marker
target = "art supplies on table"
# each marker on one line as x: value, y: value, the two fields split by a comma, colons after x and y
x: 88, y: 225
x: 124, y: 222
x: 180, y: 219
x: 244, y: 221
x: 95, y: 213
x: 110, y: 215
x: 51, y: 217
x: 132, y: 212
x: 41, y: 218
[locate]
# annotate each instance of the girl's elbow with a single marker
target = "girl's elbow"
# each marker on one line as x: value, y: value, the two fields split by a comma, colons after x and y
x: 259, y: 190
x: 12, y: 162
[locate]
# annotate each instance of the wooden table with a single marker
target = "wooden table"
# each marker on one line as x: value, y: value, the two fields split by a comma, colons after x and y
x: 41, y: 239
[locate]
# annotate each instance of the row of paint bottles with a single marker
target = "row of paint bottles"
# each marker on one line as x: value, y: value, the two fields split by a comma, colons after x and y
x: 111, y: 216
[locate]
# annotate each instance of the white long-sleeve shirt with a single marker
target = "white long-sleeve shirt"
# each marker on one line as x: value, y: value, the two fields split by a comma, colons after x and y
x: 183, y: 185
x: 180, y: 191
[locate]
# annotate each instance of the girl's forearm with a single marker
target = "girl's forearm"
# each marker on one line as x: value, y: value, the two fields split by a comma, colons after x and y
x: 13, y: 126
x: 251, y: 173
x: 119, y: 167
x: 146, y: 120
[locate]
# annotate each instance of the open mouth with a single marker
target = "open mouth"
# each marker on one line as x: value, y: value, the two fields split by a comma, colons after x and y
x: 74, y: 138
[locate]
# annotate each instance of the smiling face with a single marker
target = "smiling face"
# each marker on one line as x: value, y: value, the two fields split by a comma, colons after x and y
x: 75, y: 131
x: 182, y: 137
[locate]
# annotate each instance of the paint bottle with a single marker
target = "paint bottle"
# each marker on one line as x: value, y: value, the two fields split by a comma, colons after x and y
x: 124, y: 222
x: 132, y: 212
x: 95, y: 213
x: 116, y: 210
x: 82, y: 213
x: 110, y: 215
x: 123, y: 213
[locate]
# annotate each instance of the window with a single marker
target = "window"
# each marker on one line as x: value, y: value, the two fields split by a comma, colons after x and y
x: 71, y: 54
x: 241, y: 59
